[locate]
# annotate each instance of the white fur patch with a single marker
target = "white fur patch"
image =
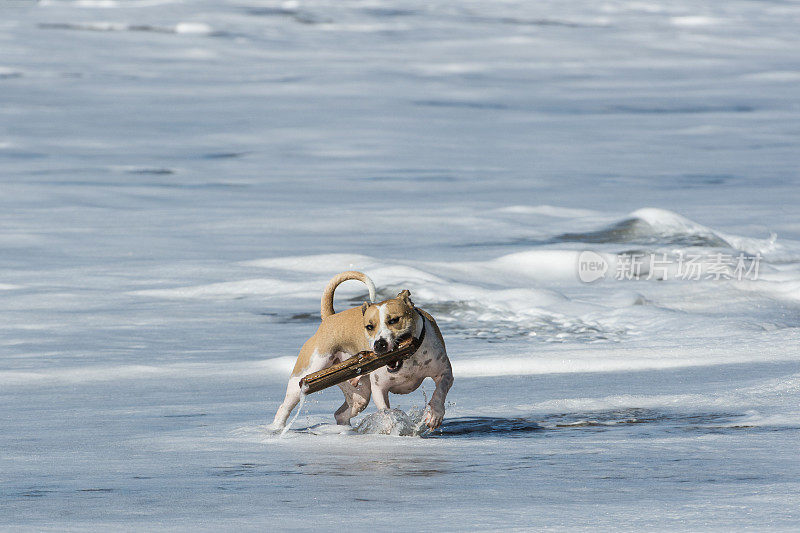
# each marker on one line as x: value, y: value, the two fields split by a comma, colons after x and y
x: 384, y: 332
x: 315, y: 362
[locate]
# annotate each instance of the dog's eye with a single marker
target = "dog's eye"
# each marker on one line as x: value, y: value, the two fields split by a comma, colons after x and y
x: 369, y: 327
x: 394, y: 320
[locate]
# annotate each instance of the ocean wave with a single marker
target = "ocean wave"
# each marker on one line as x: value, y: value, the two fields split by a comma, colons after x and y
x: 532, y: 295
x: 652, y: 226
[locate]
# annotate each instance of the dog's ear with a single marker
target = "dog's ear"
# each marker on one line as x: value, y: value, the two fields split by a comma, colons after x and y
x: 405, y: 296
x: 364, y: 308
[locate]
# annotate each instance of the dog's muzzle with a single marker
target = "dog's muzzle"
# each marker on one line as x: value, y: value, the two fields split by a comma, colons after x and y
x: 381, y: 346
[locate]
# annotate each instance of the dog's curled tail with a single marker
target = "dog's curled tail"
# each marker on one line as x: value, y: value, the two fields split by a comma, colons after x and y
x: 326, y: 309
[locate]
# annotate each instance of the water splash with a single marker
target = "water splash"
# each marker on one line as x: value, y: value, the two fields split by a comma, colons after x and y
x: 296, y: 414
x: 392, y: 422
x: 420, y: 427
x: 418, y: 415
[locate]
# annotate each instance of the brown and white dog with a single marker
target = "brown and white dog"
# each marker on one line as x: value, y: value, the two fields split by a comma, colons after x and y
x: 378, y: 327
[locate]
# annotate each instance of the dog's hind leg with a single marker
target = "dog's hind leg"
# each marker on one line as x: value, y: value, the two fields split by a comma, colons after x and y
x: 356, y: 400
x: 360, y: 398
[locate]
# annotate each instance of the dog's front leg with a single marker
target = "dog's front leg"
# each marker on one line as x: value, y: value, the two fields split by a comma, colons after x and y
x: 435, y: 410
x: 379, y: 394
x: 291, y: 400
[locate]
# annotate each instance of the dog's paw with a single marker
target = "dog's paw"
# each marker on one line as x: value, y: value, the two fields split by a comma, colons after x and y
x: 274, y: 428
x: 433, y: 416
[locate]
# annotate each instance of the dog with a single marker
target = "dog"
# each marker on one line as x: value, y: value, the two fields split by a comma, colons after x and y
x: 379, y: 327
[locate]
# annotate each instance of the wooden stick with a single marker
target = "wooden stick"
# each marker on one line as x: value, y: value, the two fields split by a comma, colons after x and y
x: 360, y: 364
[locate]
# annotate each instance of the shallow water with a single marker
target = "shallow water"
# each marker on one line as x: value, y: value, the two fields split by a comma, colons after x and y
x: 180, y: 180
x: 297, y: 410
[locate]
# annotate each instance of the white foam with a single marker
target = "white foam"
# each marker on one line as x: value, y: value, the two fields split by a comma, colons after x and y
x: 318, y: 264
x: 103, y: 26
x: 693, y: 21
x: 276, y: 367
x: 547, y: 210
x: 193, y: 28
x: 235, y: 289
x: 775, y: 75
x: 109, y: 4
x: 544, y: 265
x: 96, y: 3
x: 760, y: 419
x: 8, y: 72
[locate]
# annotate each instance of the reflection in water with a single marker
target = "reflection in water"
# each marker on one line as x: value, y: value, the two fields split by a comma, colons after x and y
x: 355, y: 463
x: 484, y: 426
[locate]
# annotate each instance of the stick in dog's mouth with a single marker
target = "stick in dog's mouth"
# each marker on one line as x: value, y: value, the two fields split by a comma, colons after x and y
x: 360, y: 364
x: 401, y: 341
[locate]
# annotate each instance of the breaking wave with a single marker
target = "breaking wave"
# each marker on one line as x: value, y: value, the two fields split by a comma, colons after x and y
x: 651, y: 226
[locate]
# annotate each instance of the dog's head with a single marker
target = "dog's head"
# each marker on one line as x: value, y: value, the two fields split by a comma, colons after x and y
x: 388, y: 323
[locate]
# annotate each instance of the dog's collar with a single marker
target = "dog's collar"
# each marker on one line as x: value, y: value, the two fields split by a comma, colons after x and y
x: 416, y: 342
